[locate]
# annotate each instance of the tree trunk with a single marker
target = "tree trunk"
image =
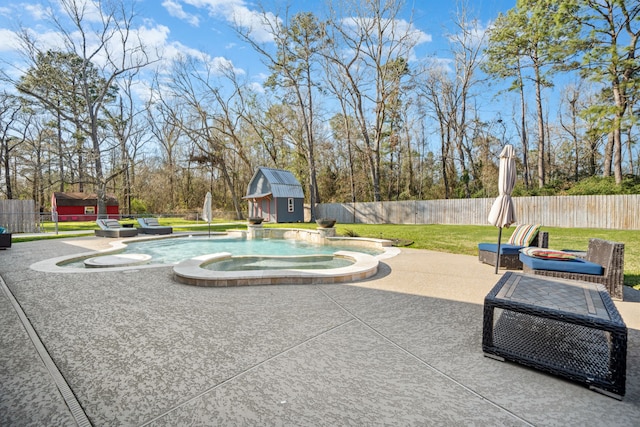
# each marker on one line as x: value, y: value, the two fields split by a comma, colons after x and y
x: 523, y: 135
x: 444, y: 136
x: 352, y: 181
x: 60, y: 151
x: 608, y: 155
x: 101, y: 184
x: 621, y: 106
x: 307, y: 114
x: 629, y: 149
x: 7, y: 171
x: 541, y: 142
x: 229, y: 183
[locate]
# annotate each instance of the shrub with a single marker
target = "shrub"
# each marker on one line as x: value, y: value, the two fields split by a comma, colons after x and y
x: 350, y: 233
x: 138, y: 206
x: 606, y: 185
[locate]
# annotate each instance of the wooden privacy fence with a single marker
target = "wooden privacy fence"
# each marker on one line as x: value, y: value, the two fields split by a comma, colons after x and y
x: 612, y: 212
x: 19, y: 216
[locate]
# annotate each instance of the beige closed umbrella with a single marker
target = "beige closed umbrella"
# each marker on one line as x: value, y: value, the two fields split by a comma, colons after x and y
x: 502, y: 212
x: 206, y: 210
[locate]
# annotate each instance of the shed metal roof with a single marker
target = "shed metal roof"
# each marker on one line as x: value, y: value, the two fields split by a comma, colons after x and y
x: 280, y: 183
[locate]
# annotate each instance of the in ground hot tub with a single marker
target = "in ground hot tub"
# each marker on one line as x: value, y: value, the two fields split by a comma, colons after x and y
x: 223, y: 269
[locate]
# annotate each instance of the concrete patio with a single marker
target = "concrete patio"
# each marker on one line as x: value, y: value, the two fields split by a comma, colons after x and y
x: 136, y: 348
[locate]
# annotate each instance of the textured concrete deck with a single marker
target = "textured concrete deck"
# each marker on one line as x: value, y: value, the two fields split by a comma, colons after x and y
x: 402, y: 348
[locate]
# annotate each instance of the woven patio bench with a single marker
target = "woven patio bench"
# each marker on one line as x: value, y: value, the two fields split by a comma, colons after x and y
x: 509, y: 254
x: 112, y: 228
x: 151, y: 226
x: 607, y: 255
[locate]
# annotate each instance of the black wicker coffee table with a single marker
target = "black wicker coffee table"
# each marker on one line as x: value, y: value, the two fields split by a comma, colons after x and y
x: 566, y: 328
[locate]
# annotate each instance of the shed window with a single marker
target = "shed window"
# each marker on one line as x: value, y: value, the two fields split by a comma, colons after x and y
x: 290, y: 205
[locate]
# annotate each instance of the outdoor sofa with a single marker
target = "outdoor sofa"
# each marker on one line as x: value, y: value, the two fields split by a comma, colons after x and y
x: 523, y: 236
x: 603, y: 263
x: 5, y: 238
x: 151, y: 226
x: 112, y: 228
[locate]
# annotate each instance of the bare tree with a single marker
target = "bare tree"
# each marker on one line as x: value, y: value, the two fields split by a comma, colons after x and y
x: 193, y: 106
x: 103, y: 38
x: 366, y: 38
x: 298, y: 43
x: 466, y: 45
x: 167, y: 134
x: 437, y: 90
x: 128, y: 132
x: 9, y: 111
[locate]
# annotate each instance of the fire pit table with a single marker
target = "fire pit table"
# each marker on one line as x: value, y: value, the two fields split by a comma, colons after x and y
x: 563, y: 327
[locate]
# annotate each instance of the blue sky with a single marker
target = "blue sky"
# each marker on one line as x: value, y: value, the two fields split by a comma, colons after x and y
x: 204, y: 26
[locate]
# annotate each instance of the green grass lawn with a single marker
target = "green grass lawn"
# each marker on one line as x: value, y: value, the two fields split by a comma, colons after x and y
x: 458, y: 239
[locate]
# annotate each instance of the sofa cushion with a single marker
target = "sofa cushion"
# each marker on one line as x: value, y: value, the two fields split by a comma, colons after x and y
x: 547, y: 253
x: 524, y: 234
x: 575, y: 265
x: 505, y: 249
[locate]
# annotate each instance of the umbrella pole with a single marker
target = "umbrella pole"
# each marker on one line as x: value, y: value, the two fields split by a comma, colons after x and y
x: 209, y: 229
x: 498, y: 252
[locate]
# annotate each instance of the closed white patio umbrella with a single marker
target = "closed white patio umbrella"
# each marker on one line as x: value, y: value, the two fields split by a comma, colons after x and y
x: 502, y: 212
x: 206, y: 210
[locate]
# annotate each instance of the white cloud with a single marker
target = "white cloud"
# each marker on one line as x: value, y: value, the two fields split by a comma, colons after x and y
x: 142, y: 90
x: 257, y: 87
x: 153, y: 36
x: 439, y: 64
x: 395, y: 29
x: 48, y: 40
x: 89, y: 9
x: 416, y: 35
x: 398, y: 32
x: 474, y: 33
x: 8, y: 41
x: 236, y: 12
x: 37, y: 11
x: 175, y: 9
x: 170, y: 52
x: 253, y: 21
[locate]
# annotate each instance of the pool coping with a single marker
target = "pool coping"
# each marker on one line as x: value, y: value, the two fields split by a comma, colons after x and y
x: 191, y: 272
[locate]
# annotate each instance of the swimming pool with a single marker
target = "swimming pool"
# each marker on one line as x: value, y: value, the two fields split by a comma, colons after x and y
x: 177, y: 249
x: 172, y: 251
x: 279, y: 256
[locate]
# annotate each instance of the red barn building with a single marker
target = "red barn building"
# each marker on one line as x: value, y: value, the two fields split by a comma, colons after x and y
x: 82, y: 206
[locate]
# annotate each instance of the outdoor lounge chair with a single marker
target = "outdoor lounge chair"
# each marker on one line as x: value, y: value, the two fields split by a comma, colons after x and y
x: 5, y: 239
x: 151, y: 226
x: 603, y: 263
x: 112, y: 228
x: 510, y: 251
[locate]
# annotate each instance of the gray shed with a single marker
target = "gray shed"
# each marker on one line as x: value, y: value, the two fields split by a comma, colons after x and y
x: 275, y: 195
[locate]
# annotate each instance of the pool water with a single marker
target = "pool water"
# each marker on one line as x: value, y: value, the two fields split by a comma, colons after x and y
x: 175, y: 250
x: 320, y: 262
